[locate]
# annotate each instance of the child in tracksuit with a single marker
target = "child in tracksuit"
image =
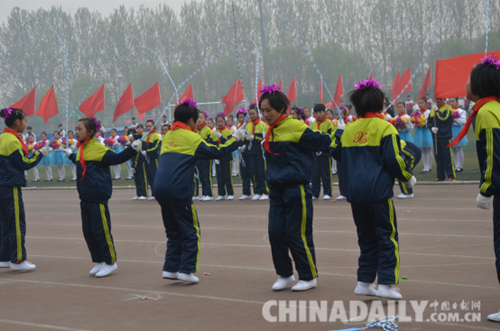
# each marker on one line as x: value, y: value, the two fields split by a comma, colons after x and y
x: 224, y: 166
x: 93, y: 161
x: 369, y: 151
x: 483, y: 88
x: 139, y: 167
x: 204, y: 166
x: 440, y: 122
x: 322, y: 168
x: 245, y: 160
x: 289, y: 146
x: 14, y: 162
x: 173, y: 189
x: 413, y: 155
x: 151, y: 151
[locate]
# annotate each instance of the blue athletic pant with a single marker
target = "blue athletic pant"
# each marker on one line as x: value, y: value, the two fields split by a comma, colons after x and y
x: 322, y: 171
x: 12, y: 224
x: 225, y: 178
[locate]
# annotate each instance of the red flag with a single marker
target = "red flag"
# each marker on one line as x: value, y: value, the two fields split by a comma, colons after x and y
x: 94, y: 104
x: 371, y: 74
x: 281, y: 89
x: 259, y: 87
x: 27, y: 103
x: 125, y: 103
x: 48, y: 106
x: 292, y: 93
x: 405, y: 78
x: 140, y: 115
x: 229, y: 99
x: 339, y: 92
x: 148, y: 100
x: 427, y: 82
x: 321, y: 98
x: 188, y: 94
x: 240, y: 96
x: 395, y: 86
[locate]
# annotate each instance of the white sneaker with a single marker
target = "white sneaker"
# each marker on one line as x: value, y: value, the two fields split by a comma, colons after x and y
x: 97, y: 268
x: 256, y: 197
x: 190, y: 278
x: 170, y: 275
x: 135, y: 198
x: 142, y: 198
x: 152, y: 199
x: 364, y: 288
x: 404, y: 196
x: 245, y: 197
x: 327, y: 197
x: 196, y: 198
x: 106, y: 270
x: 314, y: 198
x: 304, y: 285
x: 389, y: 292
x: 494, y: 317
x: 230, y: 197
x: 220, y: 198
x: 5, y: 264
x: 207, y: 198
x: 23, y: 266
x: 341, y: 197
x: 264, y: 197
x: 283, y: 282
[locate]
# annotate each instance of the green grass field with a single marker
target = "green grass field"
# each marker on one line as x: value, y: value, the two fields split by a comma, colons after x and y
x: 471, y: 171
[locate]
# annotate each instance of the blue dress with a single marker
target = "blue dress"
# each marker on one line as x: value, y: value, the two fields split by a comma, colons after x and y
x: 423, y: 138
x: 455, y: 129
x: 406, y: 136
x: 46, y: 160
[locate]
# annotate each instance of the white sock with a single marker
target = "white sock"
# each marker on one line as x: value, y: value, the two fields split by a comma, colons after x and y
x: 334, y: 165
x: 460, y: 158
x: 62, y: 172
x: 35, y: 172
x: 73, y: 170
x: 48, y: 171
x: 117, y: 170
x: 427, y: 157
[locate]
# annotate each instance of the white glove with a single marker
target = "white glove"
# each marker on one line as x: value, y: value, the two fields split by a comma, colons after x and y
x: 144, y: 153
x: 127, y: 143
x: 67, y: 152
x: 340, y: 124
x: 411, y: 182
x: 217, y: 134
x: 240, y: 134
x: 137, y: 145
x: 131, y: 137
x: 44, y: 151
x: 435, y: 130
x: 483, y: 202
x: 244, y: 148
x: 249, y: 137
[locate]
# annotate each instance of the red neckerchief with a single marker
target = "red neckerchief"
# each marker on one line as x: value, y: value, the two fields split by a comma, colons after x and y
x: 372, y: 114
x: 149, y: 135
x: 403, y: 114
x: 25, y: 149
x: 82, y: 161
x: 220, y: 131
x: 422, y: 111
x: 476, y: 107
x: 180, y: 125
x: 455, y: 108
x: 271, y: 127
x: 254, y: 124
x: 201, y: 126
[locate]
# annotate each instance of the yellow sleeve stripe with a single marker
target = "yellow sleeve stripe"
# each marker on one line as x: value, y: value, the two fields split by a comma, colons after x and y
x: 412, y: 164
x: 31, y: 159
x: 489, y: 160
x: 401, y: 162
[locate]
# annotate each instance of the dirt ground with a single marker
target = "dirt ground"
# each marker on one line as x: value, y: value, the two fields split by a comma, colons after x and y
x: 446, y: 255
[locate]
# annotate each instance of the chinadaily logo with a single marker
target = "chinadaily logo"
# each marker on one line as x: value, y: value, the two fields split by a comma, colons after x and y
x: 376, y: 311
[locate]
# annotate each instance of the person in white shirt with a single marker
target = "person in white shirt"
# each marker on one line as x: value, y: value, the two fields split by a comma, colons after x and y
x: 164, y: 121
x: 134, y: 124
x: 409, y: 104
x: 405, y: 130
x: 458, y: 123
x: 230, y: 124
x: 29, y: 132
x: 62, y: 133
x: 309, y: 119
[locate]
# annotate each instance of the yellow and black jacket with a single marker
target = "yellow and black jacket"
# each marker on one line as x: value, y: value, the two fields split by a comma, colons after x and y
x: 227, y: 134
x: 444, y: 121
x: 205, y: 133
x: 325, y: 126
x: 487, y: 133
x: 369, y: 151
x: 96, y: 184
x: 292, y: 145
x: 258, y: 129
x: 13, y: 161
x: 151, y: 147
x: 139, y: 158
x: 180, y: 149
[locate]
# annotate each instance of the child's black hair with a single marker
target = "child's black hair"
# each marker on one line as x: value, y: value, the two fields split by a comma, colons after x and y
x: 132, y: 131
x: 221, y: 115
x: 31, y: 135
x: 150, y: 121
x: 423, y: 98
x: 113, y: 130
x: 367, y: 100
x: 125, y: 127
x: 402, y: 103
x: 242, y: 114
x: 90, y: 125
x: 140, y: 126
x: 70, y: 131
x: 329, y: 110
x: 299, y: 113
x: 277, y: 100
x: 29, y: 128
x: 55, y: 132
x: 43, y: 132
x: 11, y: 115
x: 60, y: 125
x: 183, y: 113
x: 133, y: 118
x: 230, y: 117
x: 485, y: 81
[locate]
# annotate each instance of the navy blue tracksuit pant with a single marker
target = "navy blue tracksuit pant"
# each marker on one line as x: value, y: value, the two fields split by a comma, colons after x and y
x: 225, y: 178
x: 444, y: 159
x: 257, y: 171
x: 290, y: 229
x: 245, y: 174
x: 96, y: 225
x: 12, y: 224
x: 378, y: 241
x: 184, y: 237
x: 322, y: 171
x: 205, y: 177
x: 151, y: 168
x: 496, y: 232
x: 410, y: 165
x: 141, y: 178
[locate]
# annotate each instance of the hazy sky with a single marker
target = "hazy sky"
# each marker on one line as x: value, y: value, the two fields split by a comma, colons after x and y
x: 103, y: 6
